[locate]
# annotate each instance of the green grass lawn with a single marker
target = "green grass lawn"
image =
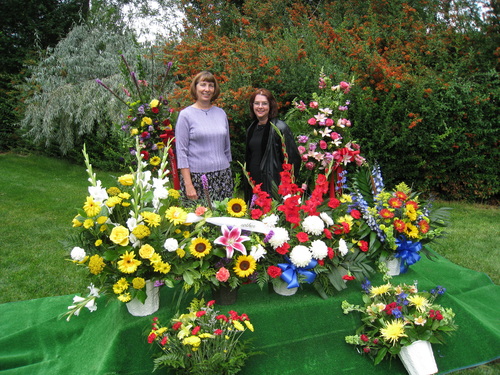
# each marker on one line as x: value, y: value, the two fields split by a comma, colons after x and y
x: 39, y: 197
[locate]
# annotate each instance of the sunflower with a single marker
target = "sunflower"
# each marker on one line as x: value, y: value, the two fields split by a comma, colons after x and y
x: 245, y: 265
x: 200, y: 247
x: 237, y: 207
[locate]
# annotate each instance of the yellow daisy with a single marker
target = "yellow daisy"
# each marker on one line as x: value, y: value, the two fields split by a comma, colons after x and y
x: 91, y: 207
x: 128, y: 263
x: 380, y: 290
x: 421, y: 303
x: 120, y: 286
x: 200, y: 247
x: 176, y: 215
x: 237, y: 207
x: 245, y: 265
x: 162, y: 267
x: 125, y: 297
x: 152, y: 219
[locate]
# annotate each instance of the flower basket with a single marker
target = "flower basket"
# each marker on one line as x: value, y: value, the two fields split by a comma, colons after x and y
x: 282, y: 289
x: 224, y: 295
x: 393, y: 266
x: 150, y: 305
x: 418, y: 358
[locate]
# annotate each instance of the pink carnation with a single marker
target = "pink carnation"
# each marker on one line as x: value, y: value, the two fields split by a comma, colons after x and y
x: 222, y: 274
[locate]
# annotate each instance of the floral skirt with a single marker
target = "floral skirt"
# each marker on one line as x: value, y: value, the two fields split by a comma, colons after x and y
x: 220, y: 186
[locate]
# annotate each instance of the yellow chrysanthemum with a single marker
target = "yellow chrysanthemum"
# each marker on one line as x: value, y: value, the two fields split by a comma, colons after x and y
x: 162, y: 267
x: 120, y: 286
x: 141, y: 231
x: 154, y: 103
x: 113, y: 201
x: 176, y: 215
x: 194, y: 341
x: 96, y: 264
x: 128, y: 263
x: 152, y: 219
x: 112, y: 191
x: 200, y: 247
x: 237, y: 207
x: 134, y: 131
x: 119, y: 235
x: 88, y: 223
x: 125, y: 297
x: 175, y: 194
x: 420, y: 302
x: 181, y: 253
x: 101, y: 220
x: 393, y: 331
x: 245, y: 265
x: 155, y: 160
x: 138, y: 283
x: 126, y: 180
x: 155, y: 258
x: 379, y: 290
x: 146, y: 251
x: 91, y: 207
x: 98, y: 243
x: 124, y: 195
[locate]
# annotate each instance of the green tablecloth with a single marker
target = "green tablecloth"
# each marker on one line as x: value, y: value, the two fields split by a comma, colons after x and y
x: 301, y: 334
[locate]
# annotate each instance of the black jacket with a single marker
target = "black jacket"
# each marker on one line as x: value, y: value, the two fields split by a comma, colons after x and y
x: 272, y: 159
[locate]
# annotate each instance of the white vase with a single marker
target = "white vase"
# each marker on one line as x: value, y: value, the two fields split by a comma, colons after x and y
x: 394, y: 266
x: 282, y: 289
x: 418, y: 358
x: 150, y: 305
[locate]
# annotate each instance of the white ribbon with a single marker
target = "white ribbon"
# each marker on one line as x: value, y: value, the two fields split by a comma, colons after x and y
x: 244, y: 224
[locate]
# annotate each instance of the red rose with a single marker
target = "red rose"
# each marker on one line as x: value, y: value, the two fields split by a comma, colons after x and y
x: 348, y: 277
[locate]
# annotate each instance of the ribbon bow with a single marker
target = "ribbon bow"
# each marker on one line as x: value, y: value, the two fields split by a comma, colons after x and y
x: 290, y: 272
x: 408, y: 252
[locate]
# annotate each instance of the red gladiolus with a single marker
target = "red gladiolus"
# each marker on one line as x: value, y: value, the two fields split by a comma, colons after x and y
x: 331, y: 253
x: 210, y: 303
x: 164, y: 340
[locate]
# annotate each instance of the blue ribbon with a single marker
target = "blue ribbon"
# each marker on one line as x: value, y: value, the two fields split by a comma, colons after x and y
x: 290, y: 272
x: 408, y: 251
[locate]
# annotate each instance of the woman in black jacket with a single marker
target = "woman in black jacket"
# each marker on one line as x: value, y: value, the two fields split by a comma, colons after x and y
x: 264, y: 154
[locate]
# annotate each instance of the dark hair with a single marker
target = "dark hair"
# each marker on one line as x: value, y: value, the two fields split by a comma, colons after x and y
x: 204, y: 76
x: 273, y: 105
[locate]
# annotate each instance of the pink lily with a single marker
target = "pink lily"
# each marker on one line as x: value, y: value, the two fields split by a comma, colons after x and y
x: 232, y: 240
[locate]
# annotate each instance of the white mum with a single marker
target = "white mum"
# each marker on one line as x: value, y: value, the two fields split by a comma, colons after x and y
x: 313, y: 225
x: 258, y: 252
x: 279, y: 237
x: 326, y: 218
x: 343, y: 247
x: 300, y: 256
x: 171, y: 244
x: 319, y: 249
x: 271, y: 220
x: 78, y: 254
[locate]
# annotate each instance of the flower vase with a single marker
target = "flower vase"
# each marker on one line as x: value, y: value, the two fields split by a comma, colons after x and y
x: 281, y: 288
x: 150, y: 305
x: 394, y: 266
x: 224, y: 295
x: 418, y: 358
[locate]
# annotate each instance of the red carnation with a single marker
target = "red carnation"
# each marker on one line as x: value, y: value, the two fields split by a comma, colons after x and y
x: 302, y: 237
x: 195, y: 330
x: 283, y: 249
x: 364, y: 338
x: 176, y: 326
x: 363, y: 245
x: 348, y: 277
x: 200, y: 313
x: 274, y: 271
x: 356, y: 214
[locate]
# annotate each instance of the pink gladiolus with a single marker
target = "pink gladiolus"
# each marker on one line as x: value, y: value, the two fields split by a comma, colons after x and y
x: 232, y: 240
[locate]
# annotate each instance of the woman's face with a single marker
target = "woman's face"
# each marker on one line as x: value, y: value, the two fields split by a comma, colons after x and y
x: 261, y: 108
x: 204, y: 91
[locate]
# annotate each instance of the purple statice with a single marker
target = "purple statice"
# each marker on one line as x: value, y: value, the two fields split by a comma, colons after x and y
x: 312, y: 146
x: 268, y: 236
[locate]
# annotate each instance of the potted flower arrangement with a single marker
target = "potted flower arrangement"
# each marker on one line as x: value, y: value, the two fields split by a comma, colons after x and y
x: 120, y: 235
x: 403, y: 223
x: 324, y: 139
x: 203, y: 341
x: 395, y: 317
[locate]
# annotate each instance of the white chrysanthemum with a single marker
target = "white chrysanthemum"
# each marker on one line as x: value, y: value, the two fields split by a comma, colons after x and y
x: 171, y: 244
x: 78, y: 254
x: 343, y: 247
x: 300, y: 256
x: 313, y: 225
x: 257, y: 252
x: 327, y: 219
x: 279, y: 237
x: 271, y: 220
x: 319, y: 249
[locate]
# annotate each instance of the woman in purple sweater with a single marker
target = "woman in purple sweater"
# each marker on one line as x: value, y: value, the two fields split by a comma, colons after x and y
x: 202, y: 142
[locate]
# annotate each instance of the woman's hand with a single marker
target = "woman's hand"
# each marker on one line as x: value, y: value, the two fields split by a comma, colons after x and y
x: 191, y: 193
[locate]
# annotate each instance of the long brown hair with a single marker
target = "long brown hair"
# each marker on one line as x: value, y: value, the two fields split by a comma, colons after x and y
x: 273, y: 105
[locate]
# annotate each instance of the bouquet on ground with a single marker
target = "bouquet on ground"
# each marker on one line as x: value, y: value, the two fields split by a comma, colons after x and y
x: 394, y: 316
x: 402, y: 223
x: 121, y: 231
x: 203, y: 341
x: 323, y: 129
